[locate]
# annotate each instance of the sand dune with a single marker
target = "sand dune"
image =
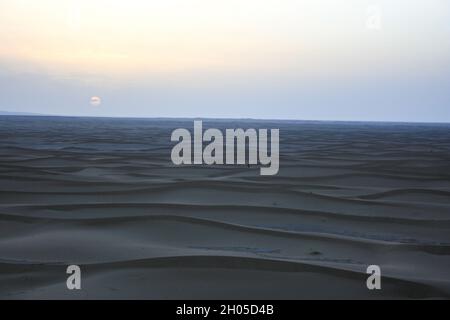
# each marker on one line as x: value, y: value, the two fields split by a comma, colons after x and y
x: 105, y: 195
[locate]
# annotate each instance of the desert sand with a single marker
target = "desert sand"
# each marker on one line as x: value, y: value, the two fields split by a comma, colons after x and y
x: 103, y: 194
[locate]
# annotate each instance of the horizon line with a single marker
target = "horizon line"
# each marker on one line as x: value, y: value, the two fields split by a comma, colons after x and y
x: 30, y: 114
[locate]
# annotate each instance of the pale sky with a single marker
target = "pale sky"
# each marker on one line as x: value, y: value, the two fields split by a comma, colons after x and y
x: 289, y: 59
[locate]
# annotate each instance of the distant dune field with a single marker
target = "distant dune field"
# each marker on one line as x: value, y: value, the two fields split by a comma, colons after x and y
x: 103, y: 194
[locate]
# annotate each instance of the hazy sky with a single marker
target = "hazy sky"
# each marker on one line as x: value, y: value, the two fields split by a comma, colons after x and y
x: 289, y: 59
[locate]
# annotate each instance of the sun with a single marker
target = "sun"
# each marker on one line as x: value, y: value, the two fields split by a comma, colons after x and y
x: 95, y: 101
